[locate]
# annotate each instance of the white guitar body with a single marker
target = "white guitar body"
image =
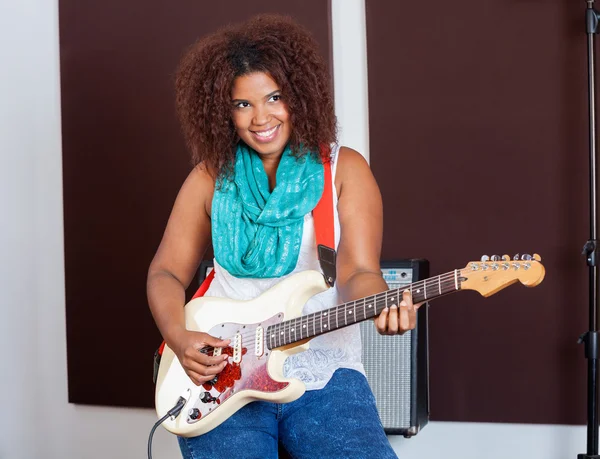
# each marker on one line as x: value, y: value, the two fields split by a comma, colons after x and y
x: 254, y: 372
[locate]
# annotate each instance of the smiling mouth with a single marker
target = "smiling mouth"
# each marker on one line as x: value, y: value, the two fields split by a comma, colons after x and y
x: 267, y: 135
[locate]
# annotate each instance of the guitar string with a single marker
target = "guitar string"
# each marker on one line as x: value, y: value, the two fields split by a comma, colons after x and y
x: 380, y: 303
x: 444, y: 284
x: 446, y: 279
x: 341, y: 310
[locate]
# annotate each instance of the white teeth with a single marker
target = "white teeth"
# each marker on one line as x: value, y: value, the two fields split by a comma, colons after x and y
x: 266, y: 133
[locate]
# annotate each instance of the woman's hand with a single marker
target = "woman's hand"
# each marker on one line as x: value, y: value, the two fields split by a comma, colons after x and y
x: 199, y: 366
x: 398, y: 320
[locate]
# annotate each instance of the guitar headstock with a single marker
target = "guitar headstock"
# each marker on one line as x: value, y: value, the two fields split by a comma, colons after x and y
x: 490, y: 275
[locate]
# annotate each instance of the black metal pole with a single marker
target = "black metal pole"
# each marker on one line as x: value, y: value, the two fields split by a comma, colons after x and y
x: 590, y: 338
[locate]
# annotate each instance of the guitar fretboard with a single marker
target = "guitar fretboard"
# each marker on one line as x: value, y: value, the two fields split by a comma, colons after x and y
x: 343, y: 315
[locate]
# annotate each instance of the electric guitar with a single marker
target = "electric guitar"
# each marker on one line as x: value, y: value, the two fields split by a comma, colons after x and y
x: 269, y: 328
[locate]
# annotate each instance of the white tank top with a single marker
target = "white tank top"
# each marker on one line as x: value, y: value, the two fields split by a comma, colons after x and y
x: 328, y: 352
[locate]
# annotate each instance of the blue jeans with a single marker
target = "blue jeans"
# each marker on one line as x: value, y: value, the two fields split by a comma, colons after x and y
x: 338, y: 421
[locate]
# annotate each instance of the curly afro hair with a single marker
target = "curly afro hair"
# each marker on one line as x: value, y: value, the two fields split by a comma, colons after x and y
x: 267, y: 43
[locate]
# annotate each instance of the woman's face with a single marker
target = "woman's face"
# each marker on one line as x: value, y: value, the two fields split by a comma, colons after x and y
x: 260, y: 116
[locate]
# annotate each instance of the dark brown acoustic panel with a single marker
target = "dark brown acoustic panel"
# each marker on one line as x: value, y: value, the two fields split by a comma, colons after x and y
x: 123, y: 162
x: 478, y: 139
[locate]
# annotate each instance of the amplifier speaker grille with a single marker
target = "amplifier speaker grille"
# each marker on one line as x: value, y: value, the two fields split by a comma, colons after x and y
x: 397, y: 366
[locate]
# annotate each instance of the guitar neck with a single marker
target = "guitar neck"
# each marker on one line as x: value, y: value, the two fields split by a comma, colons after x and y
x: 315, y: 324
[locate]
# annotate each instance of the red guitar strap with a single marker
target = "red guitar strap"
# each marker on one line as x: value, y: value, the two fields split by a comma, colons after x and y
x: 205, y: 284
x: 324, y: 227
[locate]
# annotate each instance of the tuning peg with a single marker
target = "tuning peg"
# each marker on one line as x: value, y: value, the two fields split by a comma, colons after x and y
x: 526, y: 257
x: 495, y: 258
x: 516, y: 257
x: 505, y: 257
x: 485, y: 258
x: 536, y: 257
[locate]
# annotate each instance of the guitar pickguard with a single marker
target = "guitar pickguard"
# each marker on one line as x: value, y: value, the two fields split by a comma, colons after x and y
x: 249, y: 373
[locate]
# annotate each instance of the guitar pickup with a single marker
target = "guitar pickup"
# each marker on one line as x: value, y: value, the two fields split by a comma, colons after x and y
x: 237, y: 348
x: 259, y: 348
x: 217, y: 351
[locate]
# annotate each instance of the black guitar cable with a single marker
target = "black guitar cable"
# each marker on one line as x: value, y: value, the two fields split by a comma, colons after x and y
x: 172, y: 412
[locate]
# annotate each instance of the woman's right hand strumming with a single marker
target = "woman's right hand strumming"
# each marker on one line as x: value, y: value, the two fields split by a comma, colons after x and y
x: 199, y: 366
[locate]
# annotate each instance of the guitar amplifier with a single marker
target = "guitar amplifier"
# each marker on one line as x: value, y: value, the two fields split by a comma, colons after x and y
x: 397, y: 367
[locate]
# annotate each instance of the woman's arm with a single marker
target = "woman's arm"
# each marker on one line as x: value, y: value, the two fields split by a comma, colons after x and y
x: 183, y: 245
x: 358, y: 260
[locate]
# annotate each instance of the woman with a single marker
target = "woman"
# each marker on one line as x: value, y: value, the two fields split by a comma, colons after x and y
x: 256, y: 108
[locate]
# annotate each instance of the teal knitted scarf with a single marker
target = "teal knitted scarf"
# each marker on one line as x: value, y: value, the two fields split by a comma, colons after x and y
x: 257, y: 232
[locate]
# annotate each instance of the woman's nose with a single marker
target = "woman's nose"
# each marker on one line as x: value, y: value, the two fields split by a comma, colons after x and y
x: 261, y: 115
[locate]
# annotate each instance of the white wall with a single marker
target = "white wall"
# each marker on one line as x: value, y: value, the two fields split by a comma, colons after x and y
x: 37, y: 421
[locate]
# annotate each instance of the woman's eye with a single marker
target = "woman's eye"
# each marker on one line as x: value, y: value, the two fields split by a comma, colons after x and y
x: 242, y: 105
x: 275, y: 98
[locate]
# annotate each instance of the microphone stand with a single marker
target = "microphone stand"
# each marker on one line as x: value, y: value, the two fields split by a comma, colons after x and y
x: 590, y: 338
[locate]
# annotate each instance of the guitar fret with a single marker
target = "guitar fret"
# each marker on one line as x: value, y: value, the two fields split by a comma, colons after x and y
x: 292, y: 331
x: 306, y: 327
x: 422, y: 292
x: 372, y: 306
x: 294, y: 327
x: 317, y: 323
